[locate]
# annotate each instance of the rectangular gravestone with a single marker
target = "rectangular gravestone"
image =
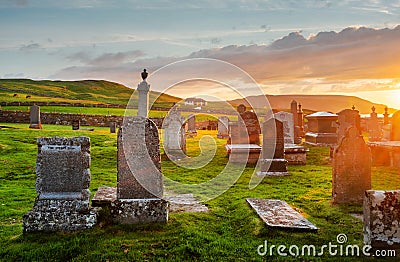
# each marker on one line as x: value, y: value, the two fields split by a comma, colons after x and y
x: 374, y: 127
x: 223, y: 127
x: 76, y: 124
x: 174, y: 135
x: 351, y: 171
x: 273, y: 162
x: 381, y: 219
x: 62, y: 185
x: 288, y: 126
x: 191, y: 122
x: 113, y: 127
x: 277, y: 213
x: 395, y: 126
x: 139, y: 178
x: 34, y: 117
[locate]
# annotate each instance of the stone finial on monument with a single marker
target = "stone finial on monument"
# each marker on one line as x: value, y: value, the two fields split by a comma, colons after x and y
x: 143, y: 101
x: 34, y: 117
x: 346, y: 119
x: 139, y: 178
x: 273, y: 140
x: 223, y: 127
x: 62, y: 186
x: 351, y: 168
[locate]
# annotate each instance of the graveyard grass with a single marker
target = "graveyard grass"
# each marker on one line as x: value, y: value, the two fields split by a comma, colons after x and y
x: 230, y: 230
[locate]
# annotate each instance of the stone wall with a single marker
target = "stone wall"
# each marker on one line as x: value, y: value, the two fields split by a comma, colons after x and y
x: 8, y: 116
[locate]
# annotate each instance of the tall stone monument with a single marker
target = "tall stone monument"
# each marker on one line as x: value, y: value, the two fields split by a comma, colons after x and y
x: 351, y: 168
x: 62, y: 186
x: 139, y: 178
x: 300, y: 122
x: 273, y: 139
x: 143, y: 101
x: 34, y: 117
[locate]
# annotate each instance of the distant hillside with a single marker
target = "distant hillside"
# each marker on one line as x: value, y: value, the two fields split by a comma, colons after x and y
x: 85, y: 91
x: 331, y: 103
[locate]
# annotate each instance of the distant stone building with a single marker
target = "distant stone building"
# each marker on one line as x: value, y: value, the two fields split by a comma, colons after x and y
x: 195, y: 101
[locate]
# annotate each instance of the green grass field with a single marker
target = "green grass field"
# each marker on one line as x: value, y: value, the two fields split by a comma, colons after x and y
x: 231, y: 230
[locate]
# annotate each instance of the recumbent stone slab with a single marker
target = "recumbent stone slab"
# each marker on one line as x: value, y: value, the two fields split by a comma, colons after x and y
x: 277, y: 213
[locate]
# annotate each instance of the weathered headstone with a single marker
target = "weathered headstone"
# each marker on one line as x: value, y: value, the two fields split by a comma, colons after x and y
x: 139, y: 179
x: 174, y: 135
x: 250, y: 121
x: 76, y: 124
x: 351, y: 171
x: 381, y: 219
x: 374, y: 129
x: 395, y: 121
x: 346, y: 119
x: 113, y: 127
x: 273, y: 139
x: 34, y: 117
x: 62, y: 186
x: 288, y: 126
x: 296, y: 122
x: 191, y: 122
x: 223, y: 127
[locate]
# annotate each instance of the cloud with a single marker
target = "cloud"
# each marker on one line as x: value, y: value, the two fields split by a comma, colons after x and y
x: 106, y: 59
x: 334, y: 59
x: 30, y: 47
x: 17, y: 75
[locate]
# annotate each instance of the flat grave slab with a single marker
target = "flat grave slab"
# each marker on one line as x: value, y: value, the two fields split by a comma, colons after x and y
x: 277, y: 213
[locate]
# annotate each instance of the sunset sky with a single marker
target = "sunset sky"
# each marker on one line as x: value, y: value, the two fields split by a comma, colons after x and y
x: 346, y: 47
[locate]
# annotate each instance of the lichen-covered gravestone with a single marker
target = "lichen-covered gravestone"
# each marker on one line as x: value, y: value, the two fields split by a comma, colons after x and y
x: 139, y: 179
x: 288, y: 126
x: 63, y: 178
x: 351, y: 171
x: 381, y: 219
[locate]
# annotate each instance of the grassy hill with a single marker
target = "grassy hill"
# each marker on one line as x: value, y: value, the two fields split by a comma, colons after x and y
x: 332, y: 103
x: 85, y: 91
